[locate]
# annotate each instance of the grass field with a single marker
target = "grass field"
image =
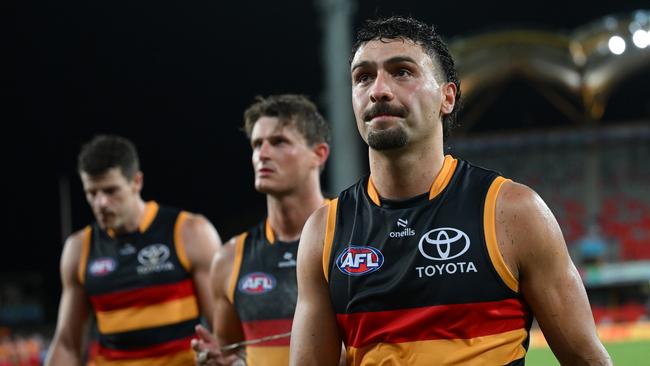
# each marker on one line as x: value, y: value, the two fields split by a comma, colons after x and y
x: 631, y: 353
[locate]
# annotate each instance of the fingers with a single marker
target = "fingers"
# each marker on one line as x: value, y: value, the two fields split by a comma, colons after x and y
x: 204, y: 334
x: 197, y: 345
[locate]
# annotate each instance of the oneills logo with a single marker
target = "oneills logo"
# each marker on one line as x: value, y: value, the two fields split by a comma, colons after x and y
x: 402, y: 225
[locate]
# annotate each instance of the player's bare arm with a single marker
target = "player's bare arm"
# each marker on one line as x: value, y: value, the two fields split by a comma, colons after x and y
x: 534, y: 249
x: 201, y: 241
x: 73, y: 308
x: 226, y: 324
x: 315, y: 338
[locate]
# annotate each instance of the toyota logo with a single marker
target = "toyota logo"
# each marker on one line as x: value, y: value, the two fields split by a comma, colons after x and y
x: 153, y: 254
x: 447, y: 243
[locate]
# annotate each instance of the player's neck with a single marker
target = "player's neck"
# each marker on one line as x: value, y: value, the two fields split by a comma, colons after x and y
x: 287, y: 214
x: 407, y: 173
x: 132, y: 224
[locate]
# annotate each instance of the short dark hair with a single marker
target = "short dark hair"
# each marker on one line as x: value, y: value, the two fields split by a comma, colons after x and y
x: 105, y: 152
x: 290, y: 109
x: 420, y: 33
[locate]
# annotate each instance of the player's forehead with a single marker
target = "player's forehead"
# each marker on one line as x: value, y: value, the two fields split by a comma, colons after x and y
x: 380, y: 51
x: 267, y: 127
x: 110, y: 177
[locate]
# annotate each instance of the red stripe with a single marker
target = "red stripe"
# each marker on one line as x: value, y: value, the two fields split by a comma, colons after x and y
x: 459, y: 321
x: 142, y: 296
x: 159, y: 350
x: 263, y: 328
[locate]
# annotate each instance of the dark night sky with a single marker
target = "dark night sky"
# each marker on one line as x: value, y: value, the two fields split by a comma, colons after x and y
x: 175, y: 77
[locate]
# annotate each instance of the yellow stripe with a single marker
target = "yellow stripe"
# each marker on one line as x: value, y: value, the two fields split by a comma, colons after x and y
x: 269, y: 232
x: 443, y: 178
x: 496, y: 349
x: 142, y: 317
x: 150, y: 212
x: 178, y: 241
x: 184, y: 358
x: 329, y: 236
x: 267, y: 355
x: 489, y: 224
x: 236, y: 266
x: 372, y: 192
x: 83, y: 258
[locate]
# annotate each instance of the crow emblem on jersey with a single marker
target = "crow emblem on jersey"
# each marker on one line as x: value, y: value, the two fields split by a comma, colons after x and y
x: 358, y: 261
x: 257, y: 283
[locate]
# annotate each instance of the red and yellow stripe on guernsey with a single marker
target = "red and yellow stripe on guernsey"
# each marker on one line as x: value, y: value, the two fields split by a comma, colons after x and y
x: 486, y: 333
x: 182, y: 357
x: 147, y: 307
x: 271, y: 352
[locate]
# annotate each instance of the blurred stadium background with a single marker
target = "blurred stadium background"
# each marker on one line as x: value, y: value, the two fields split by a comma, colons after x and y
x: 555, y: 96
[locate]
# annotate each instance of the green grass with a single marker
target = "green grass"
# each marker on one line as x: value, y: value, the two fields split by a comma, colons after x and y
x: 623, y: 354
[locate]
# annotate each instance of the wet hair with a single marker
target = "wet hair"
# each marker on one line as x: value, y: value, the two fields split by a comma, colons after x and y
x: 422, y: 34
x: 105, y: 152
x: 290, y: 109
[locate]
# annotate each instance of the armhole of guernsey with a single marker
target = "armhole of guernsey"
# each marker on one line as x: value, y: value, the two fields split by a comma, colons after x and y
x: 83, y: 257
x: 178, y: 241
x: 236, y: 266
x: 489, y: 225
x: 329, y: 236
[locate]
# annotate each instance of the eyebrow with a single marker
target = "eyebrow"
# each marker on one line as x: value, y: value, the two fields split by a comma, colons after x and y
x: 392, y: 60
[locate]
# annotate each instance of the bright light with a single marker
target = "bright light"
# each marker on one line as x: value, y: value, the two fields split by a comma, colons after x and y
x: 616, y: 45
x: 641, y: 38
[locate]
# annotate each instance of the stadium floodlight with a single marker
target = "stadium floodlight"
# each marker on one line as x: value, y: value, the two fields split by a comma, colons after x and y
x: 641, y: 38
x: 616, y: 45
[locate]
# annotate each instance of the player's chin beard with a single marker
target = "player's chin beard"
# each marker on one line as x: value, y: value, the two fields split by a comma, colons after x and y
x: 388, y: 139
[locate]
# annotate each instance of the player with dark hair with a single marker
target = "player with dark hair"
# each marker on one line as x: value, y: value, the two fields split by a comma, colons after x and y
x: 254, y: 275
x: 141, y: 268
x: 430, y: 260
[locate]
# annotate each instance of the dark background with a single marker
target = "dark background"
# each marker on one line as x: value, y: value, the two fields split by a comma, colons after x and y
x: 175, y: 77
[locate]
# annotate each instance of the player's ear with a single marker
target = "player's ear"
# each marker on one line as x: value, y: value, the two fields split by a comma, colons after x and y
x: 137, y: 181
x: 448, y: 97
x: 321, y: 152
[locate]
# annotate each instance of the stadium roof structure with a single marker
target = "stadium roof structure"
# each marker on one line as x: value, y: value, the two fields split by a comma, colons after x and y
x: 576, y: 72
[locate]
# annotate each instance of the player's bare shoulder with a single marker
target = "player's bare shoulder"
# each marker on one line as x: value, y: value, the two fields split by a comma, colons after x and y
x: 193, y: 224
x: 525, y: 226
x: 314, y: 231
x: 199, y: 237
x: 73, y: 250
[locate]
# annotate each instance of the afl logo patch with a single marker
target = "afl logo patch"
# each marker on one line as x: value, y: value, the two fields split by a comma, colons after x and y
x: 358, y: 261
x: 257, y: 283
x: 102, y: 266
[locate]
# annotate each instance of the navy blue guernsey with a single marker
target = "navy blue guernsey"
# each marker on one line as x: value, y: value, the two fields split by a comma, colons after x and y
x: 264, y: 292
x: 141, y: 291
x: 421, y: 281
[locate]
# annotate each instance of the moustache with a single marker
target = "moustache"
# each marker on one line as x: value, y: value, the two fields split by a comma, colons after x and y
x: 383, y: 109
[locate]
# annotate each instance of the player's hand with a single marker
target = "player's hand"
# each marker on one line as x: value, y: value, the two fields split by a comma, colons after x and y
x: 207, y: 351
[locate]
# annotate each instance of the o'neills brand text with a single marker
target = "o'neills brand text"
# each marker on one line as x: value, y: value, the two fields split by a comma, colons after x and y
x: 406, y: 231
x: 400, y: 234
x: 445, y: 269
